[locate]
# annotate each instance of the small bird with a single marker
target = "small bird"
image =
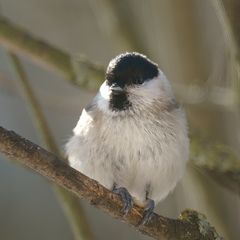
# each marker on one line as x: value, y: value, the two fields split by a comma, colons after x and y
x: 132, y: 138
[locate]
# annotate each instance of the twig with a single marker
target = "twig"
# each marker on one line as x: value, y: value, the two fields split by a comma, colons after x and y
x: 229, y: 179
x: 189, y: 226
x: 69, y: 202
x: 34, y: 106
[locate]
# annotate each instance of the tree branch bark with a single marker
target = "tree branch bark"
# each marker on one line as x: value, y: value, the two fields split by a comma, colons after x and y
x: 191, y: 225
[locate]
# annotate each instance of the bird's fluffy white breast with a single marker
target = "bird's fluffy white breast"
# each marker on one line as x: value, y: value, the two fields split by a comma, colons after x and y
x: 133, y: 151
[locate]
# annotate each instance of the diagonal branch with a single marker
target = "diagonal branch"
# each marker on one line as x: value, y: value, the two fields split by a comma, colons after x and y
x: 74, y: 69
x: 18, y: 40
x: 217, y: 160
x: 189, y: 226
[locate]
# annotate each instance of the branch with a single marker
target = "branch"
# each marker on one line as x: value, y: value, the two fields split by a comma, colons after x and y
x: 219, y: 161
x: 228, y: 179
x: 75, y: 69
x: 33, y: 104
x: 190, y: 225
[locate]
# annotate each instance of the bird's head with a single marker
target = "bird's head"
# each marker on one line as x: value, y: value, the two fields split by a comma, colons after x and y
x: 132, y: 82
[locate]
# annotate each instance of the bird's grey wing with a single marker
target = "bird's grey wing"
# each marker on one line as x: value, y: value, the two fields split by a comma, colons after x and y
x: 92, y: 106
x: 75, y: 147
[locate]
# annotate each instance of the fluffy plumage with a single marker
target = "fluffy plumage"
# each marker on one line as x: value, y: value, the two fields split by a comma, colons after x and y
x: 135, y: 136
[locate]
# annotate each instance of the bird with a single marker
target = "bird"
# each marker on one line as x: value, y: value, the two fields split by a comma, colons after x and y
x: 133, y: 136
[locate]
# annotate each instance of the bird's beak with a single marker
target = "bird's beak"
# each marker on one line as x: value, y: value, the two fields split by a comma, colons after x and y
x: 115, y: 88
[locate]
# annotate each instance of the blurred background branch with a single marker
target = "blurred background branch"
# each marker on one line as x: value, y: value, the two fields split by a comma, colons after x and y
x: 19, y: 41
x: 69, y: 202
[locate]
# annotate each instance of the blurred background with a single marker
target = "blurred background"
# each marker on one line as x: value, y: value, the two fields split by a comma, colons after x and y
x: 195, y: 43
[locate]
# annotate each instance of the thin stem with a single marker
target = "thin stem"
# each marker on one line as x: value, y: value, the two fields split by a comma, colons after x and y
x: 70, y: 203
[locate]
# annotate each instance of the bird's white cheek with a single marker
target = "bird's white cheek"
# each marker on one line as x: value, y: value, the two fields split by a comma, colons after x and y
x: 105, y: 91
x: 103, y: 97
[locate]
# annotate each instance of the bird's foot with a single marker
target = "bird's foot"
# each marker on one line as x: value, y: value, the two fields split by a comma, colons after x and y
x: 148, y: 212
x: 126, y: 197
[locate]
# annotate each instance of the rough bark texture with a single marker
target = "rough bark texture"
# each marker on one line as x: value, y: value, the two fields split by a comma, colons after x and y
x: 189, y: 226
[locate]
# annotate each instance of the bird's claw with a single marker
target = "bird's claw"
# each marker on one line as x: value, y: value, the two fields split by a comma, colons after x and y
x: 148, y: 212
x: 126, y: 197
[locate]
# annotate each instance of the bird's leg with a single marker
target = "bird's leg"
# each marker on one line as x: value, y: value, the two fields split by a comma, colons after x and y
x: 126, y: 197
x: 148, y: 211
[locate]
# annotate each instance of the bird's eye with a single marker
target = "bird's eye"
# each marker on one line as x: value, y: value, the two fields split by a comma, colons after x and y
x: 136, y: 80
x: 139, y: 80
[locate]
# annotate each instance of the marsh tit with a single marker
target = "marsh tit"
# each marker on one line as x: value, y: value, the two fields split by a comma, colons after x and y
x: 133, y: 137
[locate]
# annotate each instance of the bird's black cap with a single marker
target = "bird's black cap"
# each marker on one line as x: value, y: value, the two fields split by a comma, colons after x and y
x: 130, y: 68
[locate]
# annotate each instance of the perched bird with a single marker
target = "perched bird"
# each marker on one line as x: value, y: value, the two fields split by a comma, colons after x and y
x: 133, y: 137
